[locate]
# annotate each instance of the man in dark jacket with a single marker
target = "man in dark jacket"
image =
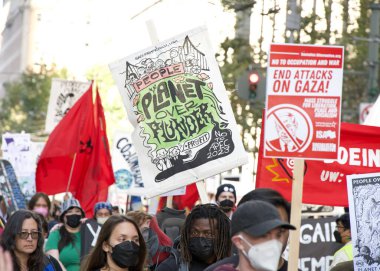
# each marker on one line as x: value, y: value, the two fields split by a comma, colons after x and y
x: 257, y: 231
x: 275, y: 198
x: 205, y: 238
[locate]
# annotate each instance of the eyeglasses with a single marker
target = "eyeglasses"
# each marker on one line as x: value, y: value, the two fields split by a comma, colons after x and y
x: 25, y: 235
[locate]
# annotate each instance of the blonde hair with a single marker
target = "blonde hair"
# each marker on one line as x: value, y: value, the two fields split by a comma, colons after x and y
x: 139, y: 217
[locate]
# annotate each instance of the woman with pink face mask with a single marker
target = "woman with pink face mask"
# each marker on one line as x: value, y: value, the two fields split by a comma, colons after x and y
x: 40, y: 203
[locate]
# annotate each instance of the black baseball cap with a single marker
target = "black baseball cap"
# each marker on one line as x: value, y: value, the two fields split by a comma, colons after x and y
x: 257, y: 218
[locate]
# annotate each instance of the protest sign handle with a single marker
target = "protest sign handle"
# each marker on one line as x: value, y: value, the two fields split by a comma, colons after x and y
x: 201, y: 186
x: 153, y: 205
x: 169, y: 201
x: 127, y: 204
x: 71, y: 173
x: 295, y: 217
x: 152, y: 31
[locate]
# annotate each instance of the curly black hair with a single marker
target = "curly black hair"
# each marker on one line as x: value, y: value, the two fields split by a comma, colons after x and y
x: 220, y: 228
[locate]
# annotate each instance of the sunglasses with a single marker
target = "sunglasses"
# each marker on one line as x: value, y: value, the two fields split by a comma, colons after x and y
x: 25, y: 235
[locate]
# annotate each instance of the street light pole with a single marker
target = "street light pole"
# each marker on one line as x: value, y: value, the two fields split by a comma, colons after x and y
x: 373, y: 53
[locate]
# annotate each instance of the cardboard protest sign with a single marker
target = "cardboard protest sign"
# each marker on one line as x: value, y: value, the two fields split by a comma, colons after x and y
x: 63, y: 95
x: 10, y: 175
x: 324, y: 181
x: 22, y: 154
x: 16, y: 149
x: 10, y: 188
x: 124, y: 158
x: 317, y: 243
x: 304, y: 89
x: 184, y: 128
x: 128, y: 180
x: 364, y: 201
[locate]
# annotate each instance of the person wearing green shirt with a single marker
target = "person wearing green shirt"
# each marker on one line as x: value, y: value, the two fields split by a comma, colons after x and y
x: 65, y: 243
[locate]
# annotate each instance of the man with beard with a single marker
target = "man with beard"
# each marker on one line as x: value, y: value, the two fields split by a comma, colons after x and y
x: 205, y: 238
x: 226, y: 198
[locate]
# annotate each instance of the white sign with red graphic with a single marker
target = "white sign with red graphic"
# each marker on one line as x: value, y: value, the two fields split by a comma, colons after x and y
x: 304, y: 90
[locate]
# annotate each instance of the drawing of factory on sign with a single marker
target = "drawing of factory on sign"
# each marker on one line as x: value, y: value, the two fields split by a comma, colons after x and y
x: 193, y: 60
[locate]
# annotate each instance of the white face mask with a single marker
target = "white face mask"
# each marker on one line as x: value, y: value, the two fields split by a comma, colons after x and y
x: 102, y: 220
x: 264, y: 256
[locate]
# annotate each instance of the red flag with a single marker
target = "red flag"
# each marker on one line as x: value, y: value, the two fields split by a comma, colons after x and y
x: 99, y: 177
x: 325, y: 181
x: 78, y: 144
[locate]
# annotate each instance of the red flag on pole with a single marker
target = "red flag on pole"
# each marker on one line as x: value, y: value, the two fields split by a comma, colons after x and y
x: 99, y: 177
x: 76, y: 156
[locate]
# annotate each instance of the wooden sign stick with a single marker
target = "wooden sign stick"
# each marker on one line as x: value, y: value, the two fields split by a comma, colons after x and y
x: 295, y: 216
x: 201, y: 186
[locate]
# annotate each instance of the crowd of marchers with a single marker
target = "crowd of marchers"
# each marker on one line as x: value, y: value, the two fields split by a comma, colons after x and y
x: 250, y: 235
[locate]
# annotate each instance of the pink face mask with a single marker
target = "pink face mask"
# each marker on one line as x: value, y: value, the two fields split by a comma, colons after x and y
x: 41, y: 210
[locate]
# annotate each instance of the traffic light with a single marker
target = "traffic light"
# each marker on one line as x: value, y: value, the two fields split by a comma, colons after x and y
x: 250, y: 85
x: 253, y: 81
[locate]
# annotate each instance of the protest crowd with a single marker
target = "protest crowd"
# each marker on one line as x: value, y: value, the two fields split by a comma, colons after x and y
x: 85, y: 232
x: 185, y: 132
x: 220, y: 236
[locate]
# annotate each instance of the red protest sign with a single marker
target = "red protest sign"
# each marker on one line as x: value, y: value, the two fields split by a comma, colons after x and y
x: 304, y: 87
x: 325, y: 181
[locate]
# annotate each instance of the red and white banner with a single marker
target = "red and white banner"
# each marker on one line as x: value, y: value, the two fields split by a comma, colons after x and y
x: 325, y: 181
x: 304, y: 89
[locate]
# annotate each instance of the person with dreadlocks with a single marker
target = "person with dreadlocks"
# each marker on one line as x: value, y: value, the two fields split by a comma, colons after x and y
x: 205, y: 238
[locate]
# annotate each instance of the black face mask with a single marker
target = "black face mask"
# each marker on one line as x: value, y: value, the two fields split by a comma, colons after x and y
x: 337, y: 236
x: 73, y: 221
x: 126, y: 254
x: 201, y: 248
x: 226, y: 205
